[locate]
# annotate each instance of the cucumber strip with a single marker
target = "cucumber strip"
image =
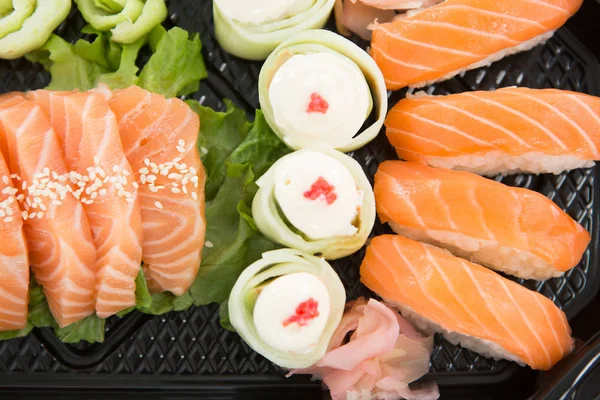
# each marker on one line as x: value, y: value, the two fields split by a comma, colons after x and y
x: 12, y: 22
x: 154, y: 12
x: 271, y: 221
x: 36, y: 29
x: 274, y: 264
x: 256, y: 42
x: 316, y: 41
x: 6, y: 6
x: 103, y: 20
x: 111, y: 6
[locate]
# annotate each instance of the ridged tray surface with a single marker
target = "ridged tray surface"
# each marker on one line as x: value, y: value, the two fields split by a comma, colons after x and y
x: 192, y: 343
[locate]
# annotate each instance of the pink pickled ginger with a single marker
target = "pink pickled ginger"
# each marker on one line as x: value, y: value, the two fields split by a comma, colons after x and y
x: 382, y: 356
x: 357, y: 15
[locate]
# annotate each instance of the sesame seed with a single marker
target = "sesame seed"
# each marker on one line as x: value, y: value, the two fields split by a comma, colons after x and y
x: 185, y: 190
x: 2, y: 214
x: 147, y: 162
x: 135, y: 185
x: 130, y: 200
x: 151, y: 178
x: 115, y: 169
x: 144, y: 170
x: 8, y: 219
x: 194, y: 196
x: 175, y: 190
x: 5, y: 180
x: 181, y: 143
x: 158, y: 205
x: 153, y: 189
x: 25, y: 215
x: 9, y: 211
x: 96, y: 160
x: 209, y: 244
x: 102, y: 192
x: 180, y: 149
x: 40, y: 215
x: 56, y: 202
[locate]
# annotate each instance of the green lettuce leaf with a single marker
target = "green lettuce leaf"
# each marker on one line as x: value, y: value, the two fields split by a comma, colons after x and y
x: 85, y: 64
x: 90, y: 329
x: 236, y: 242
x: 177, y: 66
x: 220, y: 134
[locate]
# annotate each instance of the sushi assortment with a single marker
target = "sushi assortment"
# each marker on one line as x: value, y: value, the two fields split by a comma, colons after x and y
x: 439, y: 42
x: 469, y: 304
x: 101, y: 187
x: 333, y: 218
x: 343, y: 86
x: 506, y: 131
x: 84, y: 168
x: 513, y: 230
x: 252, y: 29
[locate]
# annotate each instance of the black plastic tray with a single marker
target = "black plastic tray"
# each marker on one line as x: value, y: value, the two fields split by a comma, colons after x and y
x: 188, y: 351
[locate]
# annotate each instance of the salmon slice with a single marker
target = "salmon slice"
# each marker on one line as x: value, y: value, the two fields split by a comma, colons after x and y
x: 89, y: 136
x: 159, y: 138
x: 509, y: 229
x: 14, y: 263
x: 61, y: 252
x: 466, y: 302
x: 505, y: 131
x: 441, y: 41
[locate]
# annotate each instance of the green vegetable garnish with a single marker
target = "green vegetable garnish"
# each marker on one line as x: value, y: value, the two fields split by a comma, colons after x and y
x: 35, y: 29
x: 256, y: 42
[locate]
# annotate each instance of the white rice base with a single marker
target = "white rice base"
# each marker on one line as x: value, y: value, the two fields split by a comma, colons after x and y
x: 521, y: 264
x: 499, y: 162
x: 527, y: 45
x: 485, y: 347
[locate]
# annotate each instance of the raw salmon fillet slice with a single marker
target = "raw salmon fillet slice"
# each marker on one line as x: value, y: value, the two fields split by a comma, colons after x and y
x: 61, y: 252
x: 441, y: 41
x: 14, y: 262
x: 510, y: 229
x: 159, y: 138
x: 503, y: 131
x: 467, y: 303
x: 89, y: 136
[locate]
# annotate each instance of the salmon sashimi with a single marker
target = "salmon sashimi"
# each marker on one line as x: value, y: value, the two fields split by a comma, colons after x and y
x: 14, y: 262
x: 509, y: 229
x: 61, y: 251
x: 439, y: 42
x: 89, y: 136
x: 159, y: 138
x: 506, y: 131
x: 469, y: 304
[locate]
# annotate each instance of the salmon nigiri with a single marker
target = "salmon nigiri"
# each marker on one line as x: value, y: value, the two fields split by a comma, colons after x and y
x: 159, y: 138
x: 509, y: 229
x: 61, y: 251
x: 14, y: 263
x: 88, y: 132
x: 439, y: 42
x: 469, y: 304
x: 504, y: 131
